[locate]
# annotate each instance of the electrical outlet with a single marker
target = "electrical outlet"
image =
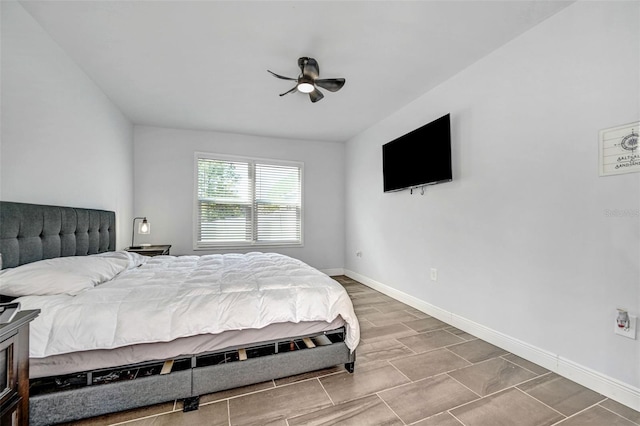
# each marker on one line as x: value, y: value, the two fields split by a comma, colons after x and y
x: 434, y: 274
x: 629, y: 332
x: 359, y: 253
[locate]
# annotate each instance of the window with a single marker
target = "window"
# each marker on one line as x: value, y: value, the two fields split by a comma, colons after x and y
x: 246, y: 202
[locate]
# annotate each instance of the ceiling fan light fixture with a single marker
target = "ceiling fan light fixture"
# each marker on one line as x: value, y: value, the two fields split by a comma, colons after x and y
x: 306, y: 87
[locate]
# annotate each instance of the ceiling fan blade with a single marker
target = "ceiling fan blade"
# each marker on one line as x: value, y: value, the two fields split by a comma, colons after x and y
x: 331, y: 84
x: 315, y: 96
x: 282, y: 77
x: 309, y: 67
x: 289, y: 91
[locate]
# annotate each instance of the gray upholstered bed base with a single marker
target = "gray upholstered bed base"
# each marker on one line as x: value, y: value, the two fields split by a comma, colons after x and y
x: 30, y: 232
x: 90, y: 401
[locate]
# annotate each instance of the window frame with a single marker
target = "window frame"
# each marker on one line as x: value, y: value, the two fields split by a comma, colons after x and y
x: 198, y: 245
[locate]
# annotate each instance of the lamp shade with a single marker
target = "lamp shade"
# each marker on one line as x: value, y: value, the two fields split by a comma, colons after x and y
x: 144, y: 227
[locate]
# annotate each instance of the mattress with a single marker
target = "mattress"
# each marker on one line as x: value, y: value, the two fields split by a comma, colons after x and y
x: 113, y: 309
x: 76, y: 362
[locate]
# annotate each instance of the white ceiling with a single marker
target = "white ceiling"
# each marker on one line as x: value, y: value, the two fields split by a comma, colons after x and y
x: 202, y: 64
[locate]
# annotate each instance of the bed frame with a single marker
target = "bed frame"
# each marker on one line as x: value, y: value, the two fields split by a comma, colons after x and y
x: 32, y: 232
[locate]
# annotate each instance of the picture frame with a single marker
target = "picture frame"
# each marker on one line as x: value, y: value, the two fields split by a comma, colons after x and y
x: 8, y: 311
x: 619, y: 150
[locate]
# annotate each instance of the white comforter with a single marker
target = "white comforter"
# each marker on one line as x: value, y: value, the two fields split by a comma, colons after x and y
x: 170, y: 297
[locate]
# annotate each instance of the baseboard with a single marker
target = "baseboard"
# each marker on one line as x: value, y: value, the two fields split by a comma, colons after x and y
x: 598, y: 382
x: 333, y: 272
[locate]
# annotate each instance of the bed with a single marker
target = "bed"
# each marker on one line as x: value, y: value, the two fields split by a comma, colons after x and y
x: 118, y: 330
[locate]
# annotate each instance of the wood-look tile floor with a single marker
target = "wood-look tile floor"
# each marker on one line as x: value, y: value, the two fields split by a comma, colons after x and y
x: 411, y: 369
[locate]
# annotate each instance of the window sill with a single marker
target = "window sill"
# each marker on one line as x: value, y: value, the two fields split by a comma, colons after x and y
x: 246, y: 246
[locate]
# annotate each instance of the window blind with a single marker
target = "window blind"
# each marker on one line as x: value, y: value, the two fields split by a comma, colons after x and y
x: 247, y: 202
x: 277, y: 203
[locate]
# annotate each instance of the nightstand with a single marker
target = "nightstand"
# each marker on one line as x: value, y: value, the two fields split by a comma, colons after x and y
x: 14, y: 371
x: 154, y: 250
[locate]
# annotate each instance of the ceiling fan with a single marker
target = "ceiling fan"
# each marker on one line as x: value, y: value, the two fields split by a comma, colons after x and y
x: 308, y: 81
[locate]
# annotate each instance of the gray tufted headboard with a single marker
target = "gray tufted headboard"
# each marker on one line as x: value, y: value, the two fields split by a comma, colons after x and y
x: 31, y: 232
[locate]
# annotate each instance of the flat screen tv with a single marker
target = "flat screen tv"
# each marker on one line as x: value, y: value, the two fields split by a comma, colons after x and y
x: 421, y: 157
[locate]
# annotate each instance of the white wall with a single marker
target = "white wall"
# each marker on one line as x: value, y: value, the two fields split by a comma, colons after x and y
x: 164, y: 180
x: 521, y: 238
x: 63, y: 142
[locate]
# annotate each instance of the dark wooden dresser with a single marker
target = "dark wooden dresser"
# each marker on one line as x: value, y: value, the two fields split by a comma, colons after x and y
x: 14, y: 369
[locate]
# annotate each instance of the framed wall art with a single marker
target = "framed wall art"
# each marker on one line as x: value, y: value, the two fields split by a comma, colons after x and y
x: 619, y: 151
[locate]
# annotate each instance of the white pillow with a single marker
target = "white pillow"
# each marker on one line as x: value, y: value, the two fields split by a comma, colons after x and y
x: 62, y: 275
